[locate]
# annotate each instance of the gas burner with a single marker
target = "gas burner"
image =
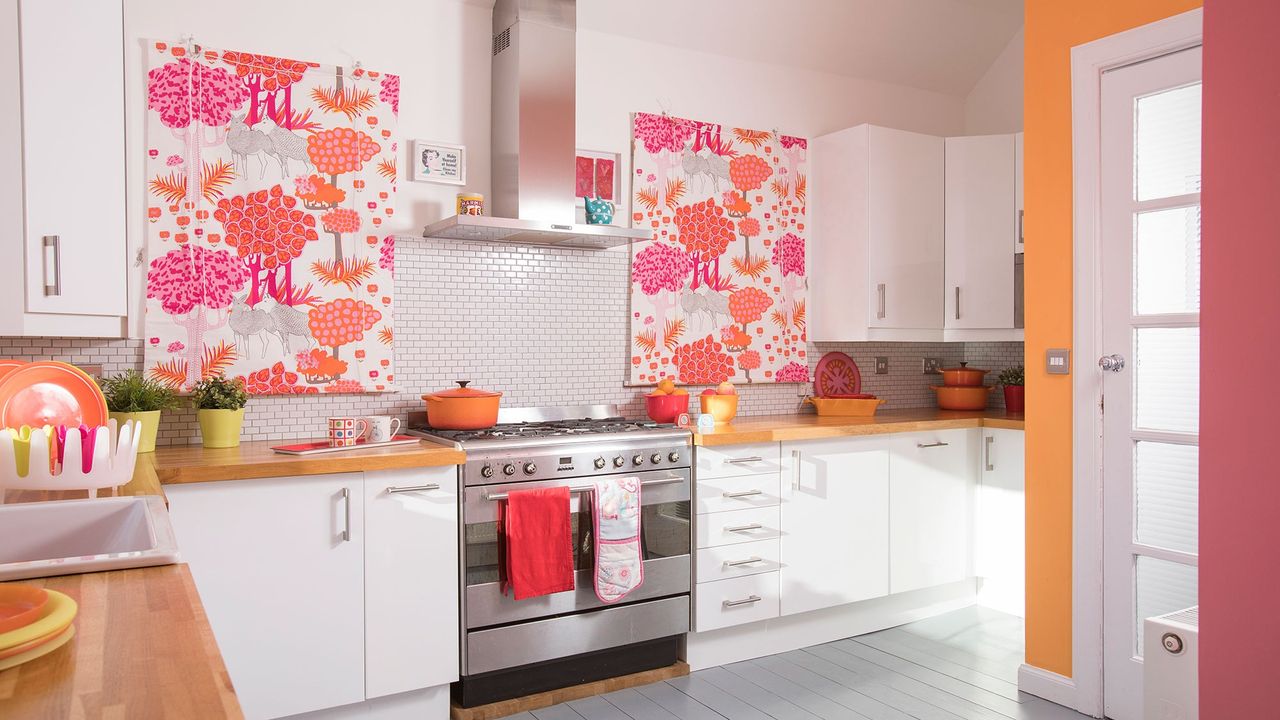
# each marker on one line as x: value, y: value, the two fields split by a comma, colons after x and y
x: 542, y: 426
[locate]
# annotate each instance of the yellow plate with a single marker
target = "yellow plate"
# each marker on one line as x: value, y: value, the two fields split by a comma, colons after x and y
x: 57, y: 613
x: 40, y: 651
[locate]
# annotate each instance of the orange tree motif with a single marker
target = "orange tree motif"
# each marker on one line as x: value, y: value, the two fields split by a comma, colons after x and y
x: 275, y: 380
x: 705, y: 232
x: 345, y: 320
x: 747, y: 306
x: 267, y: 77
x: 336, y: 151
x: 702, y: 362
x: 749, y: 360
x: 748, y: 172
x: 268, y: 232
x: 319, y: 367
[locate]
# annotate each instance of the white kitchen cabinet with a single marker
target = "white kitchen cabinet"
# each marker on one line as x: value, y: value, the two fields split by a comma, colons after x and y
x: 981, y: 227
x: 933, y: 479
x: 835, y: 522
x: 1018, y: 242
x: 64, y: 170
x: 877, y: 245
x: 410, y: 579
x: 279, y: 564
x: 999, y: 532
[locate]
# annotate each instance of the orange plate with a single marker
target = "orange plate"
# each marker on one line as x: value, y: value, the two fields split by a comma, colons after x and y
x: 51, y: 393
x: 33, y: 644
x: 8, y: 366
x: 20, y: 605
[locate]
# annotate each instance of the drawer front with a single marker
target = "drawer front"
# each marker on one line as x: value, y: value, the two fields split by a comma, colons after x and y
x: 731, y: 460
x: 736, y: 601
x: 731, y: 561
x: 737, y: 493
x: 738, y: 526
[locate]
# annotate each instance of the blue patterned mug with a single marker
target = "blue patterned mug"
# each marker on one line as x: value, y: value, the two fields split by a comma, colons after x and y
x: 599, y: 212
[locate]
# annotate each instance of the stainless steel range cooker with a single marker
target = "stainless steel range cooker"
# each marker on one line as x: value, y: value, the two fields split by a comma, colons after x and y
x: 513, y: 648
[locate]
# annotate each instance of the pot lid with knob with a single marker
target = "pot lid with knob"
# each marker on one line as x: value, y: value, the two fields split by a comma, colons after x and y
x: 462, y: 391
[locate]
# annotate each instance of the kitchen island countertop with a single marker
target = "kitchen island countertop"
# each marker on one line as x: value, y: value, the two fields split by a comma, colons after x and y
x: 809, y: 426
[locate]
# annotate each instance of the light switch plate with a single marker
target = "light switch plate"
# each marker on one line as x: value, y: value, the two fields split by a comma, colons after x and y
x: 932, y: 366
x: 882, y: 366
x: 1057, y: 361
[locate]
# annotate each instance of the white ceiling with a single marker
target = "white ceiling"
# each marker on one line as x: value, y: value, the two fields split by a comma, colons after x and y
x: 941, y: 45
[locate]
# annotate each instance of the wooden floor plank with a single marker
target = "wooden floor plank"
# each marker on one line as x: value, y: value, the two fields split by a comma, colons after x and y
x: 1006, y: 669
x: 773, y: 705
x: 817, y: 704
x: 637, y: 706
x: 556, y: 712
x: 677, y: 703
x: 597, y: 708
x: 850, y: 698
x: 946, y: 667
x: 913, y: 706
x: 717, y: 699
x: 946, y: 683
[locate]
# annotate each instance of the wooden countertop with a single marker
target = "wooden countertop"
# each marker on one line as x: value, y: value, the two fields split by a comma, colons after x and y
x: 143, y: 648
x: 192, y: 463
x: 773, y: 428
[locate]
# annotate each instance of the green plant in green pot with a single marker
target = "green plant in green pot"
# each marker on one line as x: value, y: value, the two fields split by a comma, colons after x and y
x: 1013, y: 380
x: 219, y: 405
x: 131, y: 396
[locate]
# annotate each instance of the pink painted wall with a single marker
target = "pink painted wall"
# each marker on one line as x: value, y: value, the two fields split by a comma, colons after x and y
x: 1239, y: 468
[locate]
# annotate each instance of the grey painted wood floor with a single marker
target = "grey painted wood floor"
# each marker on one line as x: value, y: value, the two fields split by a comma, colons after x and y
x: 960, y: 665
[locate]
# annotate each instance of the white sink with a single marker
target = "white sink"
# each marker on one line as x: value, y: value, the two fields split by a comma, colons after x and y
x: 65, y: 537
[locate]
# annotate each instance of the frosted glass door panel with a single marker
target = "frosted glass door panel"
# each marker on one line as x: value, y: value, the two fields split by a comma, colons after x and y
x: 1166, y: 261
x: 1166, y: 490
x: 1167, y: 156
x: 1167, y: 379
x: 1161, y: 587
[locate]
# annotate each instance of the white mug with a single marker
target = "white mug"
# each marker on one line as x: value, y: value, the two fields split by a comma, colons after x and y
x: 382, y: 428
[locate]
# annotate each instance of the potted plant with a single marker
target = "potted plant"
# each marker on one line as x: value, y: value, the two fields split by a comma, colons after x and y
x: 219, y: 405
x: 131, y: 396
x: 1013, y: 380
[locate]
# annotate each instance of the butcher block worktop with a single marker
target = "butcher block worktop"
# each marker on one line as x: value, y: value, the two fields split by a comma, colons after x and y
x: 143, y: 649
x: 193, y: 463
x: 774, y: 428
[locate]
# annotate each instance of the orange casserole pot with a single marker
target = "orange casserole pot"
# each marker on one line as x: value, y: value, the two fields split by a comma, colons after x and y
x: 462, y: 408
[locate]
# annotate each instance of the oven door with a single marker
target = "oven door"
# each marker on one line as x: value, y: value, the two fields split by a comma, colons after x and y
x: 665, y: 540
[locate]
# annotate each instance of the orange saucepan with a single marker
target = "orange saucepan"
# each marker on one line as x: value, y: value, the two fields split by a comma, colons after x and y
x: 962, y: 376
x: 462, y: 408
x: 962, y: 397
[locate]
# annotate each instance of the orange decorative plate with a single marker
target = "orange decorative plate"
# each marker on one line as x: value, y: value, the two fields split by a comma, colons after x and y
x: 51, y: 393
x: 836, y: 374
x: 20, y: 605
x: 8, y: 366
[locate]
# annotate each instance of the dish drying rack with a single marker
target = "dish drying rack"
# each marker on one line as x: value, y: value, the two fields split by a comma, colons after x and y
x: 115, y: 453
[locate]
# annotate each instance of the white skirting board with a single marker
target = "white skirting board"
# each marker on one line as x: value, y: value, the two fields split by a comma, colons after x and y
x: 426, y: 704
x: 1051, y: 686
x: 783, y: 634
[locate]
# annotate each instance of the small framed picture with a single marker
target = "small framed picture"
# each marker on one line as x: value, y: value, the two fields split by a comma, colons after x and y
x: 597, y: 176
x: 439, y: 163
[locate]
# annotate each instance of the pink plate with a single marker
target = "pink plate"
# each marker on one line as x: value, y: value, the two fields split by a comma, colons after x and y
x: 51, y: 393
x: 837, y: 374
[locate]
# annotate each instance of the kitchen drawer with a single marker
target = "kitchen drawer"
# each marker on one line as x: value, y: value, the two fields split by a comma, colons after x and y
x: 750, y: 558
x: 736, y: 601
x: 737, y: 493
x: 731, y: 460
x: 738, y: 526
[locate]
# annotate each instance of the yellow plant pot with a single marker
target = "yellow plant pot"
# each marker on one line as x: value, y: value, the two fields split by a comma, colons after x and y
x: 220, y: 428
x: 148, y: 423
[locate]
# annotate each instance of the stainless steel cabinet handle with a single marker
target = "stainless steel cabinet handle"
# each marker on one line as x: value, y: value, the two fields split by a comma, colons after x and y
x: 989, y: 439
x: 346, y: 528
x: 922, y: 446
x: 589, y: 488
x: 55, y: 242
x: 795, y: 469
x: 957, y: 302
x: 880, y: 306
x: 736, y: 563
x: 745, y: 601
x: 413, y: 488
x: 744, y: 528
x: 739, y: 461
x: 742, y: 493
x: 1020, y: 239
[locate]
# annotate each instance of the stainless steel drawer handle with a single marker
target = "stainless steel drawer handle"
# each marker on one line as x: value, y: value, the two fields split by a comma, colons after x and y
x: 880, y: 303
x: 989, y: 439
x: 346, y: 528
x: 923, y: 446
x: 742, y: 493
x: 744, y: 528
x: 957, y: 302
x: 745, y: 601
x: 739, y: 461
x: 1021, y: 240
x: 748, y: 561
x: 589, y: 488
x: 54, y: 242
x: 414, y: 488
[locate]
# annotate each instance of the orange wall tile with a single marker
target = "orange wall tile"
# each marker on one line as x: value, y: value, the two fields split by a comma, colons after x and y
x: 1053, y: 27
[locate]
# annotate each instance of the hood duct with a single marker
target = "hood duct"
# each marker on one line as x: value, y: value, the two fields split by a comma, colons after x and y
x: 533, y: 135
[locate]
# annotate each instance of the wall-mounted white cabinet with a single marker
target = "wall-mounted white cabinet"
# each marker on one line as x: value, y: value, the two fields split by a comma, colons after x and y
x: 876, y: 271
x: 1018, y: 242
x: 63, y: 173
x: 981, y: 227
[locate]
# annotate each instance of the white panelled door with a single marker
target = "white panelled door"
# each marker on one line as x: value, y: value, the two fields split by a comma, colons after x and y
x: 1150, y: 209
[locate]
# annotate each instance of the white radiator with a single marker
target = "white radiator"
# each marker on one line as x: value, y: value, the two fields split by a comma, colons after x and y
x: 1170, y: 666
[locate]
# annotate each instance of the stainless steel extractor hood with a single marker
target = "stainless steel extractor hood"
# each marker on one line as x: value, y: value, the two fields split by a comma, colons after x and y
x: 533, y: 147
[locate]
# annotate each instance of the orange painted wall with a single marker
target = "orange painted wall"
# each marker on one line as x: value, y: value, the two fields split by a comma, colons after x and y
x: 1053, y: 27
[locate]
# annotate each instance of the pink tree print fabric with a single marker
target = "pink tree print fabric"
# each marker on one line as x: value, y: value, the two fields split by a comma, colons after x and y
x: 719, y: 291
x: 270, y: 186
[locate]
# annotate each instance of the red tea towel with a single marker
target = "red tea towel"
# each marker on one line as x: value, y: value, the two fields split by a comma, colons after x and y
x: 536, y: 541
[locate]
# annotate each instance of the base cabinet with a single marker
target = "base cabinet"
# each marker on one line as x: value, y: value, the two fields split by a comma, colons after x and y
x: 933, y: 478
x: 999, y: 554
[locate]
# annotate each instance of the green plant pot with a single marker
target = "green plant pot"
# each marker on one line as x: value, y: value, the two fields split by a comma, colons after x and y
x: 220, y: 428
x: 149, y: 424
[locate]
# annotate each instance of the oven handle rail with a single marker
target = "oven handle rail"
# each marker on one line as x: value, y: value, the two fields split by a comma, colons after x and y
x: 589, y: 488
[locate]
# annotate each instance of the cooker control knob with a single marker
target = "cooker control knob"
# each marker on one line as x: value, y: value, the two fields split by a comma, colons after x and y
x: 486, y: 471
x: 674, y: 456
x: 530, y: 468
x: 509, y: 469
x: 637, y: 459
x: 599, y: 463
x: 618, y: 461
x: 655, y: 458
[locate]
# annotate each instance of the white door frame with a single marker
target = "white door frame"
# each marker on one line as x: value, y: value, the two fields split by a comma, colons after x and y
x: 1088, y: 62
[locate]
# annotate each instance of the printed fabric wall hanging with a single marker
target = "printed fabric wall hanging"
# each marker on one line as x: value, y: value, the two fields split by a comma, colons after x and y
x: 719, y: 292
x: 268, y: 181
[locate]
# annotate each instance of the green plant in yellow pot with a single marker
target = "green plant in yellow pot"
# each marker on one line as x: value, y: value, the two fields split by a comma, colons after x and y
x: 219, y: 405
x: 130, y: 396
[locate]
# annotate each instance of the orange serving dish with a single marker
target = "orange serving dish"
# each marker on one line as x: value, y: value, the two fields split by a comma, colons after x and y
x: 20, y: 605
x: 845, y: 407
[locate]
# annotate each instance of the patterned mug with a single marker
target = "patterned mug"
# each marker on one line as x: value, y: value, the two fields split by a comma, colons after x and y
x: 382, y: 428
x: 346, y: 431
x: 599, y: 212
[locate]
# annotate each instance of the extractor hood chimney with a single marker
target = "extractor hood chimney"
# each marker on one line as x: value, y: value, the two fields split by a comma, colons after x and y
x: 533, y: 144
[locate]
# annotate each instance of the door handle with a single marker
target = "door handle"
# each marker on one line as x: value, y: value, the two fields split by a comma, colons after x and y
x: 742, y: 493
x: 54, y: 242
x: 413, y: 488
x: 880, y: 307
x: 744, y: 601
x: 957, y: 302
x: 1111, y: 363
x: 744, y: 528
x: 741, y: 460
x: 795, y: 469
x: 736, y: 563
x: 346, y: 514
x: 1020, y: 239
x: 989, y: 439
x: 924, y: 446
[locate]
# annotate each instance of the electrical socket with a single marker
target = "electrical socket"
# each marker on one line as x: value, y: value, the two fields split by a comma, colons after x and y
x: 882, y: 366
x: 932, y: 366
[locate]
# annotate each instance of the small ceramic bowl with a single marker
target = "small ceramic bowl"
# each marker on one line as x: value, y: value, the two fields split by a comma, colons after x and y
x: 721, y: 407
